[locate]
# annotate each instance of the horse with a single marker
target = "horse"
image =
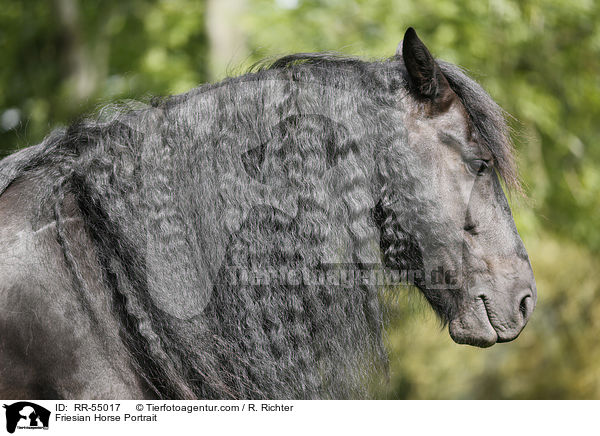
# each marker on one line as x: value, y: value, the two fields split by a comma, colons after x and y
x: 236, y: 241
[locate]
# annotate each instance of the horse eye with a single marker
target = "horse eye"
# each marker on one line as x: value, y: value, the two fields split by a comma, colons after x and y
x: 479, y: 166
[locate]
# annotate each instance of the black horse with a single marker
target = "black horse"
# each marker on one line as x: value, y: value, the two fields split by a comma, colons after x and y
x: 229, y: 242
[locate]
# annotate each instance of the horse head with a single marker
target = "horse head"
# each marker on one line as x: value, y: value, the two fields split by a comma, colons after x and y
x: 443, y: 211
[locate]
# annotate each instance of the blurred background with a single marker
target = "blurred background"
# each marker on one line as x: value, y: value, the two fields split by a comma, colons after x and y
x: 539, y: 59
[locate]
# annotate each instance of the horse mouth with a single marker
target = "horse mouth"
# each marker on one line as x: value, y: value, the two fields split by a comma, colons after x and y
x: 474, y: 327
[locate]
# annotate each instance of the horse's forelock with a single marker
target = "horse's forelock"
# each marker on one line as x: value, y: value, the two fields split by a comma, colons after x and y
x: 488, y: 119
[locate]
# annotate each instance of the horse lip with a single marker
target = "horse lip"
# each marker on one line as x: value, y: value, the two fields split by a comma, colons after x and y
x: 462, y: 328
x: 485, y: 301
x: 499, y: 332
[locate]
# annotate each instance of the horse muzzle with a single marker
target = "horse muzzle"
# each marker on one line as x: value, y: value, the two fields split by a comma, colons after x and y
x: 490, y: 317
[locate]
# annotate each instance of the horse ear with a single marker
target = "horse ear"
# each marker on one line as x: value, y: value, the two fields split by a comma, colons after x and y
x: 425, y: 76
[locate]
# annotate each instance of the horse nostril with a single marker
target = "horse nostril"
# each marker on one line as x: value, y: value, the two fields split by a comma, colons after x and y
x: 526, y: 306
x: 470, y: 228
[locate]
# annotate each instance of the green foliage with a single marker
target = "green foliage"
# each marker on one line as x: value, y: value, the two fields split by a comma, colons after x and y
x: 63, y: 58
x: 540, y: 59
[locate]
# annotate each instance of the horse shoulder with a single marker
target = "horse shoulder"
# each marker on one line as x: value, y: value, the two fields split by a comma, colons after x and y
x: 52, y: 344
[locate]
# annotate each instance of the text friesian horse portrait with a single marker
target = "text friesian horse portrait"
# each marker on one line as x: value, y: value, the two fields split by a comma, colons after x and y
x: 237, y: 241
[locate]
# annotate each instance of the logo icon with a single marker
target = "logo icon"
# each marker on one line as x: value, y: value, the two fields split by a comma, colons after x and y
x: 26, y: 415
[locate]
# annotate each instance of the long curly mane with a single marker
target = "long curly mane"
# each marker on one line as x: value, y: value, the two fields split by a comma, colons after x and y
x: 179, y: 197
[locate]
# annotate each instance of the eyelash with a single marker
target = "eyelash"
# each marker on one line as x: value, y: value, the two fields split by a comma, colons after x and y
x: 479, y: 166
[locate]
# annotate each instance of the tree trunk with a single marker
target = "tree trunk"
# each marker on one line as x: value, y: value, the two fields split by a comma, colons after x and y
x: 226, y: 36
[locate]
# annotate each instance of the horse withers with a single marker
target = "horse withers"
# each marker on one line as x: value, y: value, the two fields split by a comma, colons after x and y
x: 195, y: 247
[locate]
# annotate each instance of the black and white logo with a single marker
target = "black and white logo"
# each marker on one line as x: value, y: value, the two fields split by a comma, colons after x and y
x: 26, y: 415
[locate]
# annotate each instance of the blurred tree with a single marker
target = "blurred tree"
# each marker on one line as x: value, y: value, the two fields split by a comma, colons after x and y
x: 64, y: 58
x: 227, y: 38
